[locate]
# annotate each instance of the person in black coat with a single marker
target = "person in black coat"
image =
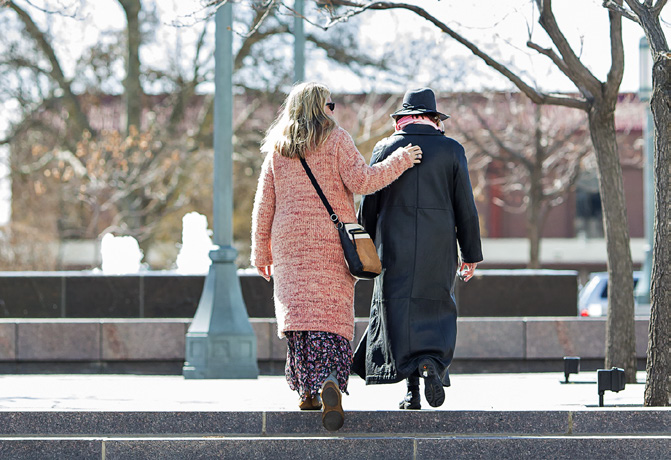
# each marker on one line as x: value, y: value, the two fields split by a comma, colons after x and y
x: 419, y: 224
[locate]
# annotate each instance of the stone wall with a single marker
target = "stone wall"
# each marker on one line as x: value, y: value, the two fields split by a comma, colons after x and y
x: 520, y: 341
x: 491, y: 293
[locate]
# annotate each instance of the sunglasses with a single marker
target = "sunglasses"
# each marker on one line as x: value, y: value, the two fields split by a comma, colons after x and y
x: 331, y: 106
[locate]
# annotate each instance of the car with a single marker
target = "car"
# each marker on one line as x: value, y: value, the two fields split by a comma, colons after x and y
x: 593, y: 297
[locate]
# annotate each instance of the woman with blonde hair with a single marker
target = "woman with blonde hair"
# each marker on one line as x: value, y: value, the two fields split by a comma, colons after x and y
x: 295, y: 241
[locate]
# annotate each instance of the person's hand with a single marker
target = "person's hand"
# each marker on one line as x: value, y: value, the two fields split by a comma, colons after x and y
x: 466, y: 271
x: 415, y: 152
x: 264, y: 271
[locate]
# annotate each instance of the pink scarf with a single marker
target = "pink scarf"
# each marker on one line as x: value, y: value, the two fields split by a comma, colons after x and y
x: 411, y: 120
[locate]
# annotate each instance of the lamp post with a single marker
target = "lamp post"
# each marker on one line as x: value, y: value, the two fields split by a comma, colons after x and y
x: 642, y: 292
x: 221, y: 343
x: 299, y: 42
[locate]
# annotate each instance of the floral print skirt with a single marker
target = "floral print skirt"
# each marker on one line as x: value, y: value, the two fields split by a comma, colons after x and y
x: 312, y: 356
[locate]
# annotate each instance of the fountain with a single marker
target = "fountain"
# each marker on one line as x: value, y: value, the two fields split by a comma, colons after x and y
x: 194, y: 255
x: 121, y: 255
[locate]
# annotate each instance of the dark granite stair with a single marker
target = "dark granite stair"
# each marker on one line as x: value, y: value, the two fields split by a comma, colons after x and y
x: 593, y: 434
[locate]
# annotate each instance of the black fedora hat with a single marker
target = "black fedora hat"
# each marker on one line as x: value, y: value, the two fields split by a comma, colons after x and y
x: 419, y: 102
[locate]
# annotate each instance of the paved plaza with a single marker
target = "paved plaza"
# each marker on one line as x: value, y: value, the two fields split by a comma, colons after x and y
x: 498, y: 392
x: 507, y: 416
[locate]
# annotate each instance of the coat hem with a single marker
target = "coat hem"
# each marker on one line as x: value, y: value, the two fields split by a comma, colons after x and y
x: 382, y: 381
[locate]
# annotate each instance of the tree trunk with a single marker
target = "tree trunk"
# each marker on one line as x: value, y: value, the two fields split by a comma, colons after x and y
x: 533, y: 233
x: 620, y: 337
x: 132, y: 86
x: 535, y: 169
x: 534, y: 216
x: 659, y: 345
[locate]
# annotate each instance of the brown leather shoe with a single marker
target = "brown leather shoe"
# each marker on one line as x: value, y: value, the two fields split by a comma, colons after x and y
x: 333, y: 416
x: 311, y: 403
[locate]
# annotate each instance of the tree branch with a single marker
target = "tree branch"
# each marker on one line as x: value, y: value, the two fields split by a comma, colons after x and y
x: 552, y: 55
x: 536, y: 96
x: 250, y: 40
x: 25, y: 63
x: 261, y: 15
x: 481, y: 146
x: 588, y: 84
x: 519, y: 157
x: 56, y: 71
x: 572, y: 177
x: 648, y: 18
x: 340, y: 54
x: 61, y: 12
x: 657, y: 9
x: 616, y: 72
x: 611, y: 5
x: 196, y: 58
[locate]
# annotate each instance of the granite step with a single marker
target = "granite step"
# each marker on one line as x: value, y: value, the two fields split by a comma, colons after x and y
x: 631, y: 433
x: 342, y: 447
x: 402, y: 424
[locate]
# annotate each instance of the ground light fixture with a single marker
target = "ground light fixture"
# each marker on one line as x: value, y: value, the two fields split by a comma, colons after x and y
x: 611, y: 380
x: 571, y: 366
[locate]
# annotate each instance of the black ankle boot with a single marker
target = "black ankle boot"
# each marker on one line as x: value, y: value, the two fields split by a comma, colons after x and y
x: 412, y: 400
x: 433, y: 387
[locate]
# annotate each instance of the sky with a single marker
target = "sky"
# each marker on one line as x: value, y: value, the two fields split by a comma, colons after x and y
x: 501, y: 27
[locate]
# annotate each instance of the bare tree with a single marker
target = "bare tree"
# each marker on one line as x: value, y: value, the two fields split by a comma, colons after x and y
x: 62, y: 147
x: 647, y: 15
x: 537, y: 150
x: 135, y: 206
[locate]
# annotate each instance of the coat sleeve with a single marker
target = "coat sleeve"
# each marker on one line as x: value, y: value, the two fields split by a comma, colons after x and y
x: 362, y: 179
x: 368, y: 209
x: 465, y: 212
x: 262, y: 216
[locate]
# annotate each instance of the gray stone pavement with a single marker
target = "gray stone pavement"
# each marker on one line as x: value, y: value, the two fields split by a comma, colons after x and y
x: 496, y: 392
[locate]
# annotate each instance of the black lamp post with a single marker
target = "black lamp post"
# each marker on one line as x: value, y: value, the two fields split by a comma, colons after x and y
x: 221, y: 343
x: 642, y: 291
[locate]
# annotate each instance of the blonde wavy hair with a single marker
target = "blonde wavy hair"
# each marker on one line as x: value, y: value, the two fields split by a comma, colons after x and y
x: 303, y: 125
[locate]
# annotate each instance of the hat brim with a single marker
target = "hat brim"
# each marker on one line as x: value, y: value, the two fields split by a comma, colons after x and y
x: 403, y: 112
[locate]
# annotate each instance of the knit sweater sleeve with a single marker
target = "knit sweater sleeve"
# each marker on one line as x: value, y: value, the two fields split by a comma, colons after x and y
x: 262, y: 215
x: 362, y: 179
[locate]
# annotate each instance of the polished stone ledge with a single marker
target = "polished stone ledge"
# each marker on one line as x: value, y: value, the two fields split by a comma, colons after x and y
x: 490, y: 293
x: 73, y: 340
x: 144, y: 340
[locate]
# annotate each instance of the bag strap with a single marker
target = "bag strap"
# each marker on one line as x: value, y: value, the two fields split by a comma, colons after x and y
x: 315, y: 184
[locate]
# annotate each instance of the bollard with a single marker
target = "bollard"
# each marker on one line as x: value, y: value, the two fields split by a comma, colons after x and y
x: 571, y: 366
x: 611, y: 380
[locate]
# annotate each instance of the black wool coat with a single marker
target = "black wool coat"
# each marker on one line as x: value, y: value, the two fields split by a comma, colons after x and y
x: 416, y: 223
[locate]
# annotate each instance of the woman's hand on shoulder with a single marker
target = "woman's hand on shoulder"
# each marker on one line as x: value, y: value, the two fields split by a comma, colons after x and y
x: 414, y: 151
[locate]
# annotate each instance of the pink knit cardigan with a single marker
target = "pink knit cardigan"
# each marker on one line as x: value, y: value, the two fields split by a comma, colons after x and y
x: 291, y: 230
